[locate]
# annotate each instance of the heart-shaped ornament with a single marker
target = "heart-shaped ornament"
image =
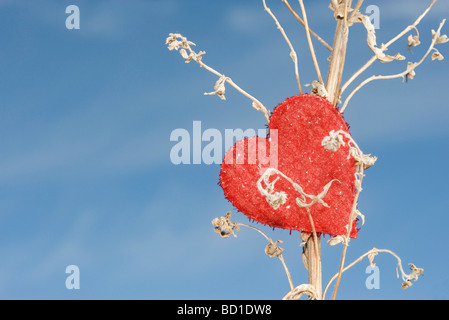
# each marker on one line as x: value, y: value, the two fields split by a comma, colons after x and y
x: 300, y: 173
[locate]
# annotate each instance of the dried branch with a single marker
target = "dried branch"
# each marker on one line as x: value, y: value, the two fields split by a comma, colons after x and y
x: 177, y: 42
x: 409, y: 73
x: 337, y: 59
x: 385, y: 47
x: 309, y: 39
x: 225, y: 227
x: 297, y: 293
x: 407, y: 278
x: 333, y: 142
x: 356, y: 9
x: 293, y: 54
x: 324, y: 43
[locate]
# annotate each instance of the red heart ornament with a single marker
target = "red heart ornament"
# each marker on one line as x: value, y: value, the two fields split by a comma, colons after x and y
x: 301, y: 123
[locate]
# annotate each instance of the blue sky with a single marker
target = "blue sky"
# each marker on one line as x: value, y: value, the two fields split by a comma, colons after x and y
x: 85, y: 170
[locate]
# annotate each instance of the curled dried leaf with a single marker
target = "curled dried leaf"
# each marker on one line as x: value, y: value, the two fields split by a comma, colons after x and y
x: 296, y: 293
x: 277, y: 199
x: 362, y: 159
x: 372, y: 41
x: 273, y: 250
x: 337, y: 240
x: 410, y: 71
x: 439, y: 39
x: 219, y: 87
x: 371, y: 257
x: 333, y: 142
x: 318, y: 89
x: 437, y: 55
x: 413, y: 41
x: 224, y: 227
x: 416, y: 272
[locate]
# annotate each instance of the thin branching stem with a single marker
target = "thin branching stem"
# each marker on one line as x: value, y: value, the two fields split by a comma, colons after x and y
x: 309, y: 39
x: 385, y: 47
x: 352, y: 216
x: 280, y: 256
x: 371, y: 252
x: 178, y: 42
x: 293, y: 54
x: 356, y: 8
x: 301, y: 21
x: 411, y: 67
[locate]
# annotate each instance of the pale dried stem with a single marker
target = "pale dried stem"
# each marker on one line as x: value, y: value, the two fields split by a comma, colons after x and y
x: 175, y: 44
x: 343, y: 59
x: 246, y: 94
x: 371, y: 252
x: 394, y: 76
x: 280, y: 256
x: 324, y: 43
x: 337, y: 61
x: 309, y: 40
x: 314, y: 259
x: 385, y: 47
x: 356, y: 8
x: 293, y: 54
x: 352, y: 216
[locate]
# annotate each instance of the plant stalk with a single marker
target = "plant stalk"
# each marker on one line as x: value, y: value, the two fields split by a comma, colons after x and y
x: 336, y: 66
x: 313, y: 255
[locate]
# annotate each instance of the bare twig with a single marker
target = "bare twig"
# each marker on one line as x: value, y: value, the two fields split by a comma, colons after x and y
x: 225, y: 228
x: 371, y: 254
x: 177, y: 42
x: 345, y: 244
x: 324, y: 43
x: 293, y: 54
x: 337, y: 60
x: 296, y: 293
x: 309, y: 39
x: 408, y: 73
x: 279, y: 254
x: 356, y: 8
x: 314, y: 260
x: 385, y: 47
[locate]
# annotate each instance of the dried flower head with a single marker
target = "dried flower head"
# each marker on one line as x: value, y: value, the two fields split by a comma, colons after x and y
x: 439, y: 38
x: 220, y: 88
x: 410, y: 71
x: 333, y: 141
x: 413, y: 41
x: 224, y: 227
x: 437, y: 55
x: 273, y: 250
x: 416, y: 272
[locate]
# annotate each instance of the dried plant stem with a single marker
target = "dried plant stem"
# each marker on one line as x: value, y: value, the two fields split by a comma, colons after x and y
x: 280, y: 256
x: 293, y: 54
x: 246, y: 94
x: 314, y: 259
x: 369, y: 253
x: 337, y: 61
x: 180, y: 43
x: 314, y: 263
x: 385, y: 47
x: 356, y: 8
x: 324, y: 43
x: 409, y: 69
x: 352, y: 216
x: 309, y: 39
